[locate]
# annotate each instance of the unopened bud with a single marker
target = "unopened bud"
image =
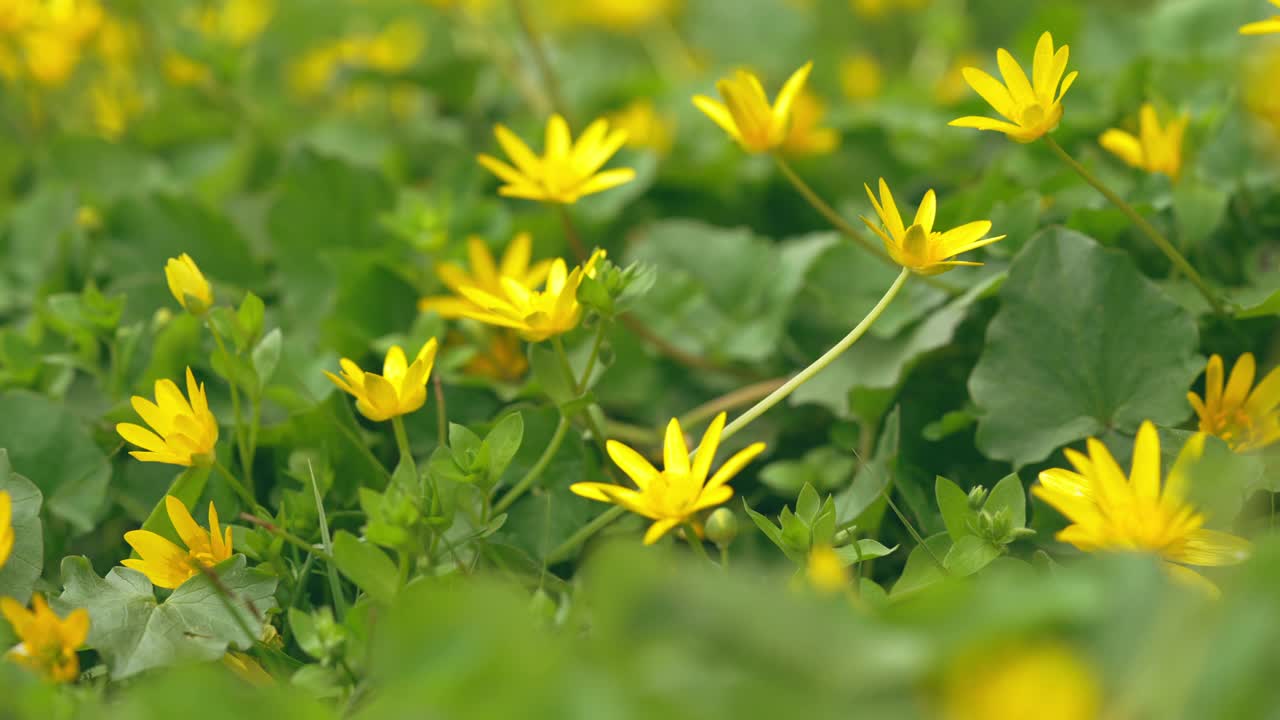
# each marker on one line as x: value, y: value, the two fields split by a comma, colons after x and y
x: 977, y: 496
x: 722, y: 527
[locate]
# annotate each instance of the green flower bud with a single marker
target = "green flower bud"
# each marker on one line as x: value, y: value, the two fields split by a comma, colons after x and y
x: 722, y: 527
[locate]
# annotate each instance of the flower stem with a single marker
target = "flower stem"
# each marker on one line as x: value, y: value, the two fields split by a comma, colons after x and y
x: 549, y: 80
x: 242, y: 445
x: 402, y: 442
x: 730, y: 401
x: 818, y: 365
x: 245, y: 496
x: 911, y: 530
x: 581, y: 386
x: 695, y: 543
x: 287, y: 536
x: 1146, y: 227
x: 571, y: 233
x: 603, y: 520
x: 442, y: 412
x: 538, y: 468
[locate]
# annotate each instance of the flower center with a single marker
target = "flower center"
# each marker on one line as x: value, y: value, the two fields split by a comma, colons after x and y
x: 672, y: 494
x: 1033, y: 115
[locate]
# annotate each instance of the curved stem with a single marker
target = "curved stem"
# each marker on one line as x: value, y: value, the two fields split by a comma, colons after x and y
x: 730, y: 401
x: 817, y: 366
x: 538, y: 468
x: 402, y: 442
x: 581, y: 386
x: 603, y: 520
x: 245, y: 496
x: 1146, y: 227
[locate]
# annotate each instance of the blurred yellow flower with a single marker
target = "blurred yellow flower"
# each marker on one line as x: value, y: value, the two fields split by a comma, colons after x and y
x: 566, y: 170
x: 501, y: 359
x: 1244, y: 416
x: 15, y: 15
x: 674, y: 495
x: 1045, y: 681
x: 47, y: 644
x: 825, y: 571
x: 621, y: 16
x: 1154, y: 149
x: 1033, y: 107
x: 645, y: 126
x: 118, y: 42
x: 50, y: 56
x: 1259, y: 94
x: 1112, y: 513
x: 395, y: 48
x: 918, y: 246
x: 6, y: 527
x: 246, y: 668
x: 185, y: 432
x: 238, y: 22
x: 1263, y: 27
x: 746, y: 114
x: 861, y: 77
x: 804, y: 136
x: 870, y: 8
x: 486, y: 274
x: 184, y: 72
x: 188, y: 284
x: 399, y: 390
x: 951, y: 86
x: 165, y: 564
x: 113, y: 102
x: 535, y: 315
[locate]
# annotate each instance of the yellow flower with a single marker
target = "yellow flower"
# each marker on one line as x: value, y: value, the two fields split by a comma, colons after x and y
x: 746, y: 114
x: 500, y: 360
x: 1155, y: 149
x: 566, y: 171
x: 1112, y: 513
x: 919, y: 247
x: 1046, y: 681
x: 185, y: 433
x: 869, y: 9
x: 183, y: 71
x: 238, y: 22
x: 246, y: 668
x: 113, y: 103
x: 1263, y: 27
x: 6, y: 527
x: 1259, y: 93
x: 680, y: 490
x: 397, y: 47
x: 804, y: 136
x: 645, y: 126
x: 1244, y: 420
x: 47, y: 644
x: 188, y: 284
x: 165, y: 564
x: 399, y: 390
x: 860, y: 76
x: 1033, y: 107
x: 51, y: 56
x: 535, y: 314
x: 825, y: 571
x: 486, y: 274
x: 619, y: 15
x: 14, y: 16
x: 951, y: 86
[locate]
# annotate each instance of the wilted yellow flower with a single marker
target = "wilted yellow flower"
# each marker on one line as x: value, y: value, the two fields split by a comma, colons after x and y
x: 1263, y: 27
x: 804, y: 136
x: 486, y: 274
x: 566, y: 171
x: 183, y: 71
x: 399, y: 390
x: 1033, y: 107
x: 165, y: 564
x: 47, y: 644
x: 618, y: 15
x: 861, y: 77
x: 535, y: 315
x: 6, y: 527
x: 1245, y: 420
x: 185, y: 433
x: 746, y: 114
x: 825, y: 571
x: 919, y: 247
x: 188, y: 284
x: 674, y: 495
x: 1046, y: 681
x: 645, y: 126
x: 238, y: 22
x: 1112, y: 513
x: 1154, y: 149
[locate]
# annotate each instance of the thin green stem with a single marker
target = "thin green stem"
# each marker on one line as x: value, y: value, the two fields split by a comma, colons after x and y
x: 695, y: 543
x: 245, y: 496
x: 603, y: 520
x: 581, y: 386
x: 911, y: 530
x: 730, y: 401
x: 538, y: 468
x: 287, y: 536
x: 242, y: 445
x: 1146, y: 227
x: 818, y: 365
x: 442, y: 412
x: 331, y: 570
x: 402, y: 442
x: 571, y: 233
x: 597, y: 433
x: 550, y: 82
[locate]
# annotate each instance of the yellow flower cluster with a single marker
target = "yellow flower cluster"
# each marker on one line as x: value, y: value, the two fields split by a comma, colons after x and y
x: 47, y: 644
x: 392, y: 50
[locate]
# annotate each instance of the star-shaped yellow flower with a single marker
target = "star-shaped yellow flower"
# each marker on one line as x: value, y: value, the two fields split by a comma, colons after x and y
x: 806, y: 136
x: 918, y: 246
x: 486, y: 274
x: 680, y: 490
x: 399, y: 390
x: 1112, y: 513
x: 1033, y: 107
x: 165, y: 564
x: 566, y: 171
x: 1155, y: 149
x: 746, y: 114
x: 1263, y: 27
x: 535, y: 314
x: 47, y: 644
x: 185, y: 432
x: 1244, y: 419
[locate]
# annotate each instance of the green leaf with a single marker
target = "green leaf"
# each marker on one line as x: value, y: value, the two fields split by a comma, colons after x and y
x: 1008, y: 495
x: 18, y: 575
x: 864, y: 549
x: 954, y: 504
x: 188, y: 486
x: 771, y: 531
x: 873, y: 476
x: 249, y: 319
x: 133, y: 632
x: 970, y: 554
x: 266, y: 356
x: 366, y: 566
x: 807, y: 504
x: 1198, y: 208
x: 922, y: 569
x: 503, y: 441
x: 1083, y: 342
x: 550, y: 374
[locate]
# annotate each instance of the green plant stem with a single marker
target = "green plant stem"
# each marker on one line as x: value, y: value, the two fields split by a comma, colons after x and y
x: 581, y: 385
x: 695, y: 543
x: 549, y: 80
x: 442, y: 412
x: 818, y: 365
x: 730, y: 401
x: 287, y: 536
x: 331, y: 570
x: 597, y: 434
x: 242, y: 445
x: 538, y: 468
x: 915, y: 535
x: 571, y: 233
x: 245, y: 496
x: 1146, y: 227
x: 402, y: 442
x: 563, y: 550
